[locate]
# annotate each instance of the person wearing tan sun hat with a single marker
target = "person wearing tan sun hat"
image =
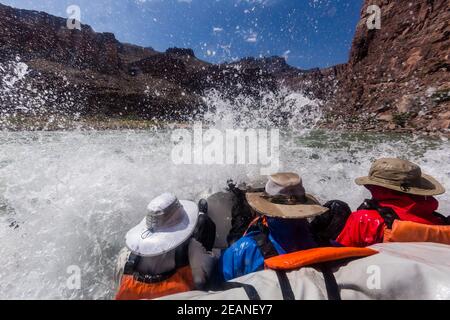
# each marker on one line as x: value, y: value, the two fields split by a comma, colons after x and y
x: 400, y: 192
x: 281, y: 226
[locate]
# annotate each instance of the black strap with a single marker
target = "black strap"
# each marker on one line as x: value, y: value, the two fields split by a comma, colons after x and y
x: 153, y: 278
x: 265, y: 245
x: 253, y: 295
x: 331, y: 284
x: 263, y: 242
x: 132, y: 262
x: 250, y: 290
x: 130, y: 269
x: 285, y: 286
x: 268, y: 251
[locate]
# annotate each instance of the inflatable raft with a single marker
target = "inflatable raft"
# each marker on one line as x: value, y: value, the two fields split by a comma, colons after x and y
x: 397, y: 271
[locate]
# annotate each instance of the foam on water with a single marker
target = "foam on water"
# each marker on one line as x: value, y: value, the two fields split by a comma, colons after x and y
x: 283, y: 108
x: 68, y: 198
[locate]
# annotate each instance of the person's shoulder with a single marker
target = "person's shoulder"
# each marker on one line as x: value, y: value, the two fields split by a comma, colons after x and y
x: 364, y: 215
x: 246, y: 242
x: 363, y: 228
x: 365, y: 219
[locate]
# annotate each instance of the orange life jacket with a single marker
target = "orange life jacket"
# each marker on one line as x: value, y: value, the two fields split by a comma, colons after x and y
x: 314, y: 256
x: 408, y: 231
x: 318, y: 257
x: 133, y: 289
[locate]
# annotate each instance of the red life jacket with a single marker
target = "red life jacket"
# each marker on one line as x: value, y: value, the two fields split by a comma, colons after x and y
x: 408, y: 207
x: 366, y: 226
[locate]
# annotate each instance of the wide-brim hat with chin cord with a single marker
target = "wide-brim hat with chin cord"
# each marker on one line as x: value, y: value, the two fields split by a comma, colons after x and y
x: 285, y: 197
x: 168, y: 224
x: 403, y: 176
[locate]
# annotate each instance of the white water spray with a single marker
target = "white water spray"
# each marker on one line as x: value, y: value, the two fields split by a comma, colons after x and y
x: 68, y: 198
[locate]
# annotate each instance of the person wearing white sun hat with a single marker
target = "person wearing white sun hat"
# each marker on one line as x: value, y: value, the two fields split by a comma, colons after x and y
x: 162, y: 255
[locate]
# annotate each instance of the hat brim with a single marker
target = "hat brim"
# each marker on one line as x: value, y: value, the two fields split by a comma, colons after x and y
x: 428, y: 186
x: 166, y: 239
x: 263, y: 206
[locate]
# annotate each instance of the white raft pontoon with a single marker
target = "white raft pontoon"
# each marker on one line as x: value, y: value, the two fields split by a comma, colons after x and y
x: 399, y: 271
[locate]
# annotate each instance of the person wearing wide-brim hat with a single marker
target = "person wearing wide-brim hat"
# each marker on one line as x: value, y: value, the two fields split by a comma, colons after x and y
x: 399, y: 188
x: 281, y: 227
x: 162, y: 255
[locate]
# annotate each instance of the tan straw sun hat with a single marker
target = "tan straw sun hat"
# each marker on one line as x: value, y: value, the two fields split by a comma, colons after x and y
x: 285, y: 197
x: 401, y: 175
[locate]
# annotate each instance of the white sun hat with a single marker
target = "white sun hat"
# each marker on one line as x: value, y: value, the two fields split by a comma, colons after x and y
x: 169, y: 223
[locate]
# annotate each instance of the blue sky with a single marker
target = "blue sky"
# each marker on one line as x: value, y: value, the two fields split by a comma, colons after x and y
x: 309, y: 33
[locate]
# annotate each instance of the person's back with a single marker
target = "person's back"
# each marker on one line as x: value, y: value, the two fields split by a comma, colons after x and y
x: 281, y: 228
x: 163, y: 256
x: 245, y: 255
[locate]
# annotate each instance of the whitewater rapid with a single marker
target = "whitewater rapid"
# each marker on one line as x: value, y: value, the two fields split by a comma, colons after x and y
x: 68, y: 198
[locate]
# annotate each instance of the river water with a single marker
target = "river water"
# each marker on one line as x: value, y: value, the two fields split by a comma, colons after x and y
x: 68, y: 198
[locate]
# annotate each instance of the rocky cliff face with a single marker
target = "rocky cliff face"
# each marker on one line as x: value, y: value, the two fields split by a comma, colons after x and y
x: 84, y: 73
x: 398, y: 76
x: 37, y: 35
